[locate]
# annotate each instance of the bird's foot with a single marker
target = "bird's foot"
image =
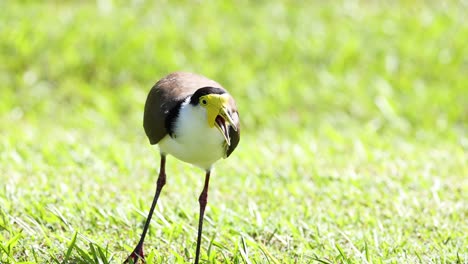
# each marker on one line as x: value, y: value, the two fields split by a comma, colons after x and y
x: 135, y: 256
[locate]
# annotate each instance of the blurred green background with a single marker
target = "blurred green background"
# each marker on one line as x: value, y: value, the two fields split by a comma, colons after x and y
x: 354, y: 131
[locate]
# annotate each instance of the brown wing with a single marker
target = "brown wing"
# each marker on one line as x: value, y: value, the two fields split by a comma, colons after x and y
x: 234, y: 135
x: 165, y: 95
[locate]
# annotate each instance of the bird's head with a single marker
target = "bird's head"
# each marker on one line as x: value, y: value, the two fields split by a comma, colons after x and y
x: 218, y: 109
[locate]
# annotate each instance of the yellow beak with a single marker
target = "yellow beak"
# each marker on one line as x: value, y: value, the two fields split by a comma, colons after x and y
x: 218, y: 115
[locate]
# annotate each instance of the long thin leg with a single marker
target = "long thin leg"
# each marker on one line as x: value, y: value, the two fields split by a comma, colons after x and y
x: 138, y: 251
x: 203, y: 199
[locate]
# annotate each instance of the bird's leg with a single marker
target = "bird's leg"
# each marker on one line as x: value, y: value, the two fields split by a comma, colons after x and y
x: 138, y: 251
x: 202, y: 200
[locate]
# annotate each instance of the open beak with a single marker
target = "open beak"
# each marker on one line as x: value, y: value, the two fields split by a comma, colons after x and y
x: 222, y: 122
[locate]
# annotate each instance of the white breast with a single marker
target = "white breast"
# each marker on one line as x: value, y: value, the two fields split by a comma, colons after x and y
x: 194, y: 142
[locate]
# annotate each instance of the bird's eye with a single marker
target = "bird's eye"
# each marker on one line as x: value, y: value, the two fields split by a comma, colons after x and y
x: 203, y: 102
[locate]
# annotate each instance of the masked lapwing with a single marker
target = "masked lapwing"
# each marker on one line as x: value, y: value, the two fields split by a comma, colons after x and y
x: 195, y: 120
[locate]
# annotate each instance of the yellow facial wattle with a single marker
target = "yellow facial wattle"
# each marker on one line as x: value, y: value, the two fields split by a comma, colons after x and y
x: 217, y: 104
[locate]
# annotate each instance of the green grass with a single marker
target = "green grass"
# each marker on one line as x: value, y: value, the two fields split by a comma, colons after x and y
x: 354, y: 144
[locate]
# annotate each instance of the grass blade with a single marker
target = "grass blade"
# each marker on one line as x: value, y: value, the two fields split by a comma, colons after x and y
x: 70, y: 247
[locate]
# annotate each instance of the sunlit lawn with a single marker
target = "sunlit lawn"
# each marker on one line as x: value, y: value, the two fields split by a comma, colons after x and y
x: 354, y: 144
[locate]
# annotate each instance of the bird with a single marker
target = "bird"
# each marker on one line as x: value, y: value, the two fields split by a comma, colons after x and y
x: 195, y: 120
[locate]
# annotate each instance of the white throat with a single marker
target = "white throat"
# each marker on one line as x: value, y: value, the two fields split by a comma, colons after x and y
x: 194, y: 141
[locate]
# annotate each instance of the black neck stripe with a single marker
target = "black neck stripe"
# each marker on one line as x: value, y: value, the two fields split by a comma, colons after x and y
x: 172, y: 117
